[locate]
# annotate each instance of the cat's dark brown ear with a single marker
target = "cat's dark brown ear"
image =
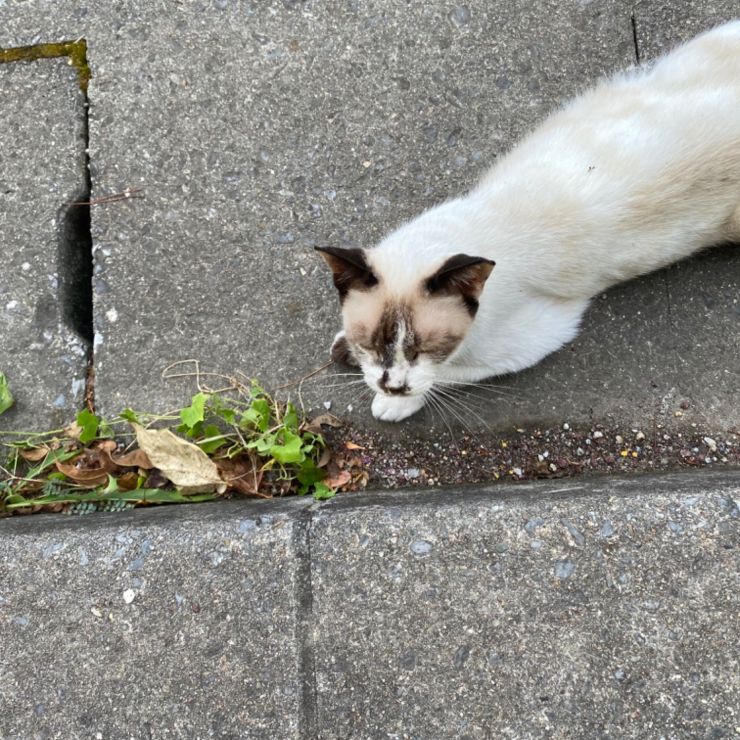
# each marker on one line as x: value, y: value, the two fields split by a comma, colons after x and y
x: 462, y: 275
x: 349, y: 268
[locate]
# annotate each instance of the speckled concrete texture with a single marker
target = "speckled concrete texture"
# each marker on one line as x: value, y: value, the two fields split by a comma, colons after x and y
x: 42, y: 171
x: 161, y: 624
x: 593, y: 609
x: 599, y: 608
x: 659, y: 26
x: 259, y: 130
x: 350, y: 121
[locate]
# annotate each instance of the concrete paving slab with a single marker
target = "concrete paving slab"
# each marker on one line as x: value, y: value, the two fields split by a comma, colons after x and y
x: 177, y: 623
x: 42, y: 171
x: 261, y: 130
x: 604, y: 608
x: 659, y: 26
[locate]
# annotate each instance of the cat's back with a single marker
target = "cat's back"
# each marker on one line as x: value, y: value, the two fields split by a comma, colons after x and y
x: 644, y: 119
x: 712, y: 59
x: 648, y: 160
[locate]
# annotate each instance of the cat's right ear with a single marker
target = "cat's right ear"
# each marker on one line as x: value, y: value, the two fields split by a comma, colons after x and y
x: 349, y: 269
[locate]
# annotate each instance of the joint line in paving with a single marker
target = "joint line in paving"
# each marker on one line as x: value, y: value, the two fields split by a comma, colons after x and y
x: 633, y: 23
x: 305, y: 625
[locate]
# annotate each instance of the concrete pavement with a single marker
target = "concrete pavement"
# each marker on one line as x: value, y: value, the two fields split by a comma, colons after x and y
x: 597, y: 607
x: 260, y: 130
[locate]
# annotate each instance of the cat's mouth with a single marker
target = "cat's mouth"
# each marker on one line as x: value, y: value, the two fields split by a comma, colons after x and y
x: 403, y: 390
x: 398, y: 391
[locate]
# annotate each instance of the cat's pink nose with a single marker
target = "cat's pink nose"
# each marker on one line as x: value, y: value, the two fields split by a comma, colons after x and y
x: 396, y: 389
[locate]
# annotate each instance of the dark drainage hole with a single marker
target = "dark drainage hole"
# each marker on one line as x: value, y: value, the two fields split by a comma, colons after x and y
x: 75, y: 267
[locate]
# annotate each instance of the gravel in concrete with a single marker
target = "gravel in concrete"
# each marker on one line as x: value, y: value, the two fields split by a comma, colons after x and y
x: 42, y: 171
x: 175, y: 623
x: 601, y: 609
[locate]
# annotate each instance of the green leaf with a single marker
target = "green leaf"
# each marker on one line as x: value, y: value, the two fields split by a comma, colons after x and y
x: 263, y: 444
x: 89, y: 425
x: 188, y: 431
x: 257, y: 390
x: 6, y: 397
x: 112, y: 486
x: 213, y: 441
x: 130, y: 416
x: 220, y: 409
x: 289, y: 452
x: 139, y: 496
x: 257, y: 416
x: 308, y: 474
x: 321, y: 492
x: 290, y: 420
x: 194, y: 413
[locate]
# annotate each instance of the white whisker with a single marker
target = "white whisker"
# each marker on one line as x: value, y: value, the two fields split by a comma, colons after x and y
x: 495, y: 389
x: 434, y: 404
x: 452, y: 405
x: 453, y: 401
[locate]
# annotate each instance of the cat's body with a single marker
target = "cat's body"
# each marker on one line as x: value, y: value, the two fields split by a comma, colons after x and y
x: 637, y: 173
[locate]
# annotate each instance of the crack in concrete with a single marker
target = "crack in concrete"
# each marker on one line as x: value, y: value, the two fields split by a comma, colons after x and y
x: 633, y: 23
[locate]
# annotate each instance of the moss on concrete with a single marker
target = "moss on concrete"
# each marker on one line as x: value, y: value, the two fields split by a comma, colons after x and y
x: 76, y: 51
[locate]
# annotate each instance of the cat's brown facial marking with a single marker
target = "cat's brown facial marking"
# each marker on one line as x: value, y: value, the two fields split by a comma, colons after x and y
x: 391, y: 332
x: 398, y: 334
x: 463, y: 276
x: 350, y: 269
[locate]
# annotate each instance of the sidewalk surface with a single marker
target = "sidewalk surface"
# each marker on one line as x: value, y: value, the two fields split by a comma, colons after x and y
x: 252, y: 131
x: 591, y: 608
x: 258, y: 130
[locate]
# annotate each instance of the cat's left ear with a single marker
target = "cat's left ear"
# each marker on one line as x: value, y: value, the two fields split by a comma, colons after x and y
x: 349, y: 268
x: 464, y: 275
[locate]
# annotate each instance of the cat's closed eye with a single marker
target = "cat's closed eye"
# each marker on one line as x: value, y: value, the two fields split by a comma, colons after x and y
x: 369, y: 351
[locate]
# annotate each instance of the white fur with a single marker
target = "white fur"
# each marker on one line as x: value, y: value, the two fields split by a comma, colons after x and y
x: 637, y: 173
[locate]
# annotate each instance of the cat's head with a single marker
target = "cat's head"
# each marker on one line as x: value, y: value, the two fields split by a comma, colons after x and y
x: 400, y: 329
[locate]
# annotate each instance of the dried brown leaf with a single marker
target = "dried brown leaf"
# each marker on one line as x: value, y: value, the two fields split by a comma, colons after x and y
x: 315, y: 424
x: 155, y: 479
x: 242, y: 473
x: 34, y: 454
x: 128, y: 481
x: 133, y: 459
x: 182, y: 462
x: 104, y: 445
x: 86, y: 477
x: 73, y: 430
x: 342, y: 478
x: 352, y: 446
x: 325, y: 458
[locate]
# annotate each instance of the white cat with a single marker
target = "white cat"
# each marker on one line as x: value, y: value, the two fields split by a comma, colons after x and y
x: 641, y: 171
